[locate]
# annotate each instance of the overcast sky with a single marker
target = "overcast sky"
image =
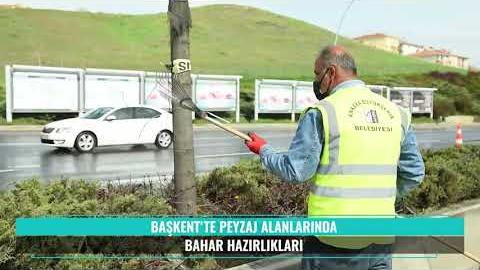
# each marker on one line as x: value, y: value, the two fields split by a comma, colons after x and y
x: 449, y: 24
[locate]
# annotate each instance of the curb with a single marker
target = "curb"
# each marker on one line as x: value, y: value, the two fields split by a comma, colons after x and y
x: 20, y: 128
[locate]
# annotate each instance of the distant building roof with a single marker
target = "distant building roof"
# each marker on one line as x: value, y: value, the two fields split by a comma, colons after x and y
x: 12, y: 6
x: 429, y: 53
x: 371, y: 36
x: 411, y: 44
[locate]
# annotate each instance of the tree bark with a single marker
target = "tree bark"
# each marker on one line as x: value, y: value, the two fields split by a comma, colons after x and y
x: 184, y: 166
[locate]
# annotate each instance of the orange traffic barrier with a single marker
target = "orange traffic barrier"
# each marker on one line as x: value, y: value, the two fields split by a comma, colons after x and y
x: 459, y: 136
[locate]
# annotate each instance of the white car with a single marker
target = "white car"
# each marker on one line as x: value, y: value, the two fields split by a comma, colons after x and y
x: 111, y: 126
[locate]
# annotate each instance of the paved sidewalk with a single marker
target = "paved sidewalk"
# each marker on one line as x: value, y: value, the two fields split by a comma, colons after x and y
x: 443, y: 262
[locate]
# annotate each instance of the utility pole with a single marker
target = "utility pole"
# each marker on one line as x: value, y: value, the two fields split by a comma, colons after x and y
x: 184, y: 166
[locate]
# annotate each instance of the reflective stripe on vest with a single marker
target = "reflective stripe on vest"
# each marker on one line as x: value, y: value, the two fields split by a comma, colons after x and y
x: 379, y: 169
x: 406, y: 121
x: 353, y: 193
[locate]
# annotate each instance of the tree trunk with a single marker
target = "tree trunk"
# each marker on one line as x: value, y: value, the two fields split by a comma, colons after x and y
x: 184, y: 166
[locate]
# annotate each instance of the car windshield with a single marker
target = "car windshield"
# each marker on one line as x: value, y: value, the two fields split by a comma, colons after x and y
x: 97, y: 113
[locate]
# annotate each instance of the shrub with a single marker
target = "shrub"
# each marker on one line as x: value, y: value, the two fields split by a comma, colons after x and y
x: 246, y: 188
x: 451, y: 176
x: 443, y: 106
x: 247, y: 105
x: 476, y: 108
x: 30, y: 199
x: 3, y: 108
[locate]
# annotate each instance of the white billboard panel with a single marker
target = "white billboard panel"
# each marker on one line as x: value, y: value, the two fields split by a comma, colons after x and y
x: 38, y: 91
x: 376, y: 89
x: 422, y: 101
x: 381, y: 90
x: 304, y: 97
x: 275, y: 98
x: 115, y: 91
x: 214, y: 95
x: 154, y: 93
x: 401, y: 98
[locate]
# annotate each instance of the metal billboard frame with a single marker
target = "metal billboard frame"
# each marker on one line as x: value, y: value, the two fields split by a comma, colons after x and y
x: 412, y: 90
x: 233, y: 78
x: 9, y: 97
x: 258, y: 84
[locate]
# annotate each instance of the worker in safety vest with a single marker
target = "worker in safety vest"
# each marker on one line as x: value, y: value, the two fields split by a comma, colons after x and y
x: 359, y: 153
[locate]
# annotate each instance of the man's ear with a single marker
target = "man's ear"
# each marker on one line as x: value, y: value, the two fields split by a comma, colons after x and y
x: 332, y: 71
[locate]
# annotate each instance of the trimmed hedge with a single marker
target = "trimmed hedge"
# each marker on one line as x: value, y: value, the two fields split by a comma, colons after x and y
x: 451, y: 176
x: 246, y: 188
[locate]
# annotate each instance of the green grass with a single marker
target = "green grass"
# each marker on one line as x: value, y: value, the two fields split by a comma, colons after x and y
x: 281, y: 119
x: 423, y: 120
x: 225, y: 39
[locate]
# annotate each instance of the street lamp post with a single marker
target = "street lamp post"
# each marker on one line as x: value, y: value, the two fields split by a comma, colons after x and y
x: 341, y: 21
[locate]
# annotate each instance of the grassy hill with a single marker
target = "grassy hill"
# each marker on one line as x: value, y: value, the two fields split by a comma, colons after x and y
x: 225, y: 39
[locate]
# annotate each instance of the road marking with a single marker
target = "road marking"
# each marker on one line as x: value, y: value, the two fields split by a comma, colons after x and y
x: 13, y: 169
x: 429, y: 141
x: 231, y: 154
x: 24, y: 167
x: 228, y: 137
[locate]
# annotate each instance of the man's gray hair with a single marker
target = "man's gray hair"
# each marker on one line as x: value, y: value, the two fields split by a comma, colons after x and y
x: 340, y: 58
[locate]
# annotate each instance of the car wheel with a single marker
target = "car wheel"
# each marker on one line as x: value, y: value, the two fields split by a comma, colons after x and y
x: 164, y: 139
x: 85, y: 142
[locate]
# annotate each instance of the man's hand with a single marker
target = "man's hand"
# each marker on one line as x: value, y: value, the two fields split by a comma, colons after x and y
x: 256, y: 143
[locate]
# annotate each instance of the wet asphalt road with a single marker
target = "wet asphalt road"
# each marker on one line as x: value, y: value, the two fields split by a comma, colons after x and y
x: 23, y: 157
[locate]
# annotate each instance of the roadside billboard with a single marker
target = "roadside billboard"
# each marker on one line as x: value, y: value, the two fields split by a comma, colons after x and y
x: 111, y: 90
x: 285, y: 96
x: 154, y: 92
x: 418, y: 100
x: 32, y: 89
x: 379, y: 89
x: 304, y: 96
x: 422, y: 101
x: 402, y: 97
x: 35, y: 91
x: 216, y: 95
x: 274, y: 98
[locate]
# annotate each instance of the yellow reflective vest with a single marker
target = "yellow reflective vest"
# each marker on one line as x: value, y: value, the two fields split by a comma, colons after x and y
x: 358, y: 165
